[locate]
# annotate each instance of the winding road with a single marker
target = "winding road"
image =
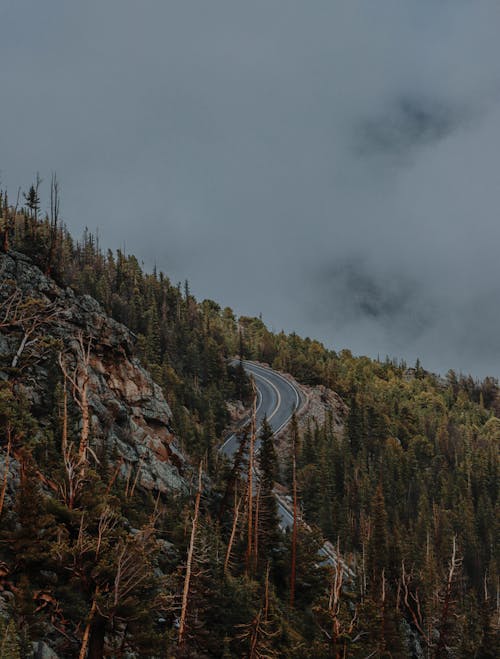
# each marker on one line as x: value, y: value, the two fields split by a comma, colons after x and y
x: 278, y: 398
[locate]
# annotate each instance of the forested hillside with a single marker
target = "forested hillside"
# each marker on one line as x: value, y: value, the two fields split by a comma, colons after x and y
x: 407, y: 490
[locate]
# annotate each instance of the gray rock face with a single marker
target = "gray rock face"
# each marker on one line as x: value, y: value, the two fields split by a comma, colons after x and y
x: 130, y: 417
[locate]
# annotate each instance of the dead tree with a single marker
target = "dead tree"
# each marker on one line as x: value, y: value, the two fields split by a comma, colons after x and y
x: 75, y: 461
x: 79, y: 378
x: 29, y: 316
x: 54, y: 221
x: 119, y: 568
x: 6, y: 468
x: 189, y: 562
x: 136, y: 479
x: 88, y: 626
x: 410, y: 598
x: 233, y: 533
x: 74, y: 480
x: 259, y: 632
x: 256, y: 528
x: 334, y: 601
x: 294, y: 531
x: 253, y: 432
x: 447, y: 599
x: 258, y: 638
x: 426, y: 621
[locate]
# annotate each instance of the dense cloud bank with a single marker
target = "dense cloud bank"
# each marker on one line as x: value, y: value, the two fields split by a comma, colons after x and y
x: 334, y: 166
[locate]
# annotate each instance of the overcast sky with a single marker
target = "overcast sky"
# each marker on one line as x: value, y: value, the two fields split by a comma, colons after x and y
x: 334, y: 166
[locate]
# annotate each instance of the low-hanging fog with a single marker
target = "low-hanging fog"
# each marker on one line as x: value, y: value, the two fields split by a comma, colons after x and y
x: 334, y: 166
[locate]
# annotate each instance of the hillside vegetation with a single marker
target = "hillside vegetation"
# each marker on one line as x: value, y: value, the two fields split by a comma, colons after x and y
x: 407, y: 491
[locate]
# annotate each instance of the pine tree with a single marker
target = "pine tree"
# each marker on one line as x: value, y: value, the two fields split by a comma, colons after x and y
x: 378, y: 554
x: 270, y: 538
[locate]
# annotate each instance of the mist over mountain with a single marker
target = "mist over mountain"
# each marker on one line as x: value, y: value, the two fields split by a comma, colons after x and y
x: 333, y: 167
x: 249, y: 329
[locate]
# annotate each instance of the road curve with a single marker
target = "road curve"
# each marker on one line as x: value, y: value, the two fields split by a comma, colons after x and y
x: 278, y: 399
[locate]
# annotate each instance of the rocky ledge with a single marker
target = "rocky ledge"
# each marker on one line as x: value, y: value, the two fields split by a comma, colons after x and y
x: 130, y: 419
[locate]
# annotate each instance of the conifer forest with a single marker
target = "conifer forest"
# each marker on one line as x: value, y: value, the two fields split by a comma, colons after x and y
x: 125, y: 529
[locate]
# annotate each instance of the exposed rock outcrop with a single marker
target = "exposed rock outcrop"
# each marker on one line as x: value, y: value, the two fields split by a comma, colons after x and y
x: 129, y: 416
x: 321, y: 404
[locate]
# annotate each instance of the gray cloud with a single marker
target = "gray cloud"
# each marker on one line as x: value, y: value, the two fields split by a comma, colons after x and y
x: 408, y: 124
x: 331, y: 165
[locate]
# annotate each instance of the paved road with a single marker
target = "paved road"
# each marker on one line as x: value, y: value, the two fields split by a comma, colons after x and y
x: 278, y: 399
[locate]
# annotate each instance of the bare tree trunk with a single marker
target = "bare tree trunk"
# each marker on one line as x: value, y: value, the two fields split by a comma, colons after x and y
x: 255, y: 638
x: 86, y: 633
x: 84, y: 435
x: 187, y: 578
x: 447, y: 599
x: 79, y: 381
x: 250, y: 477
x: 136, y: 479
x: 256, y: 533
x: 115, y: 474
x: 233, y: 533
x: 294, y: 534
x: 70, y: 489
x: 334, y: 601
x: 412, y: 604
x: 64, y: 438
x: 97, y: 635
x: 266, y: 592
x: 54, y: 219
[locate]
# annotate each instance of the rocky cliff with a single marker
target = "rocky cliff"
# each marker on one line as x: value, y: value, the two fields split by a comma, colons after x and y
x: 129, y: 418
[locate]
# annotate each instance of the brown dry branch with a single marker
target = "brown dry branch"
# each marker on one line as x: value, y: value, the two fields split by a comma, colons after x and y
x: 75, y: 462
x: 115, y: 475
x: 187, y: 578
x: 136, y: 479
x: 258, y: 632
x: 54, y: 220
x: 88, y: 626
x: 79, y: 381
x: 256, y: 530
x: 334, y: 601
x: 253, y: 431
x: 26, y: 315
x: 447, y: 598
x: 294, y: 533
x: 20, y: 456
x: 130, y: 571
x: 107, y: 523
x: 411, y: 600
x: 233, y: 532
x: 74, y: 479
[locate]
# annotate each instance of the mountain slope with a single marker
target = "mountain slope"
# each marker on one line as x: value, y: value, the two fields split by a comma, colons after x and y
x: 129, y: 414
